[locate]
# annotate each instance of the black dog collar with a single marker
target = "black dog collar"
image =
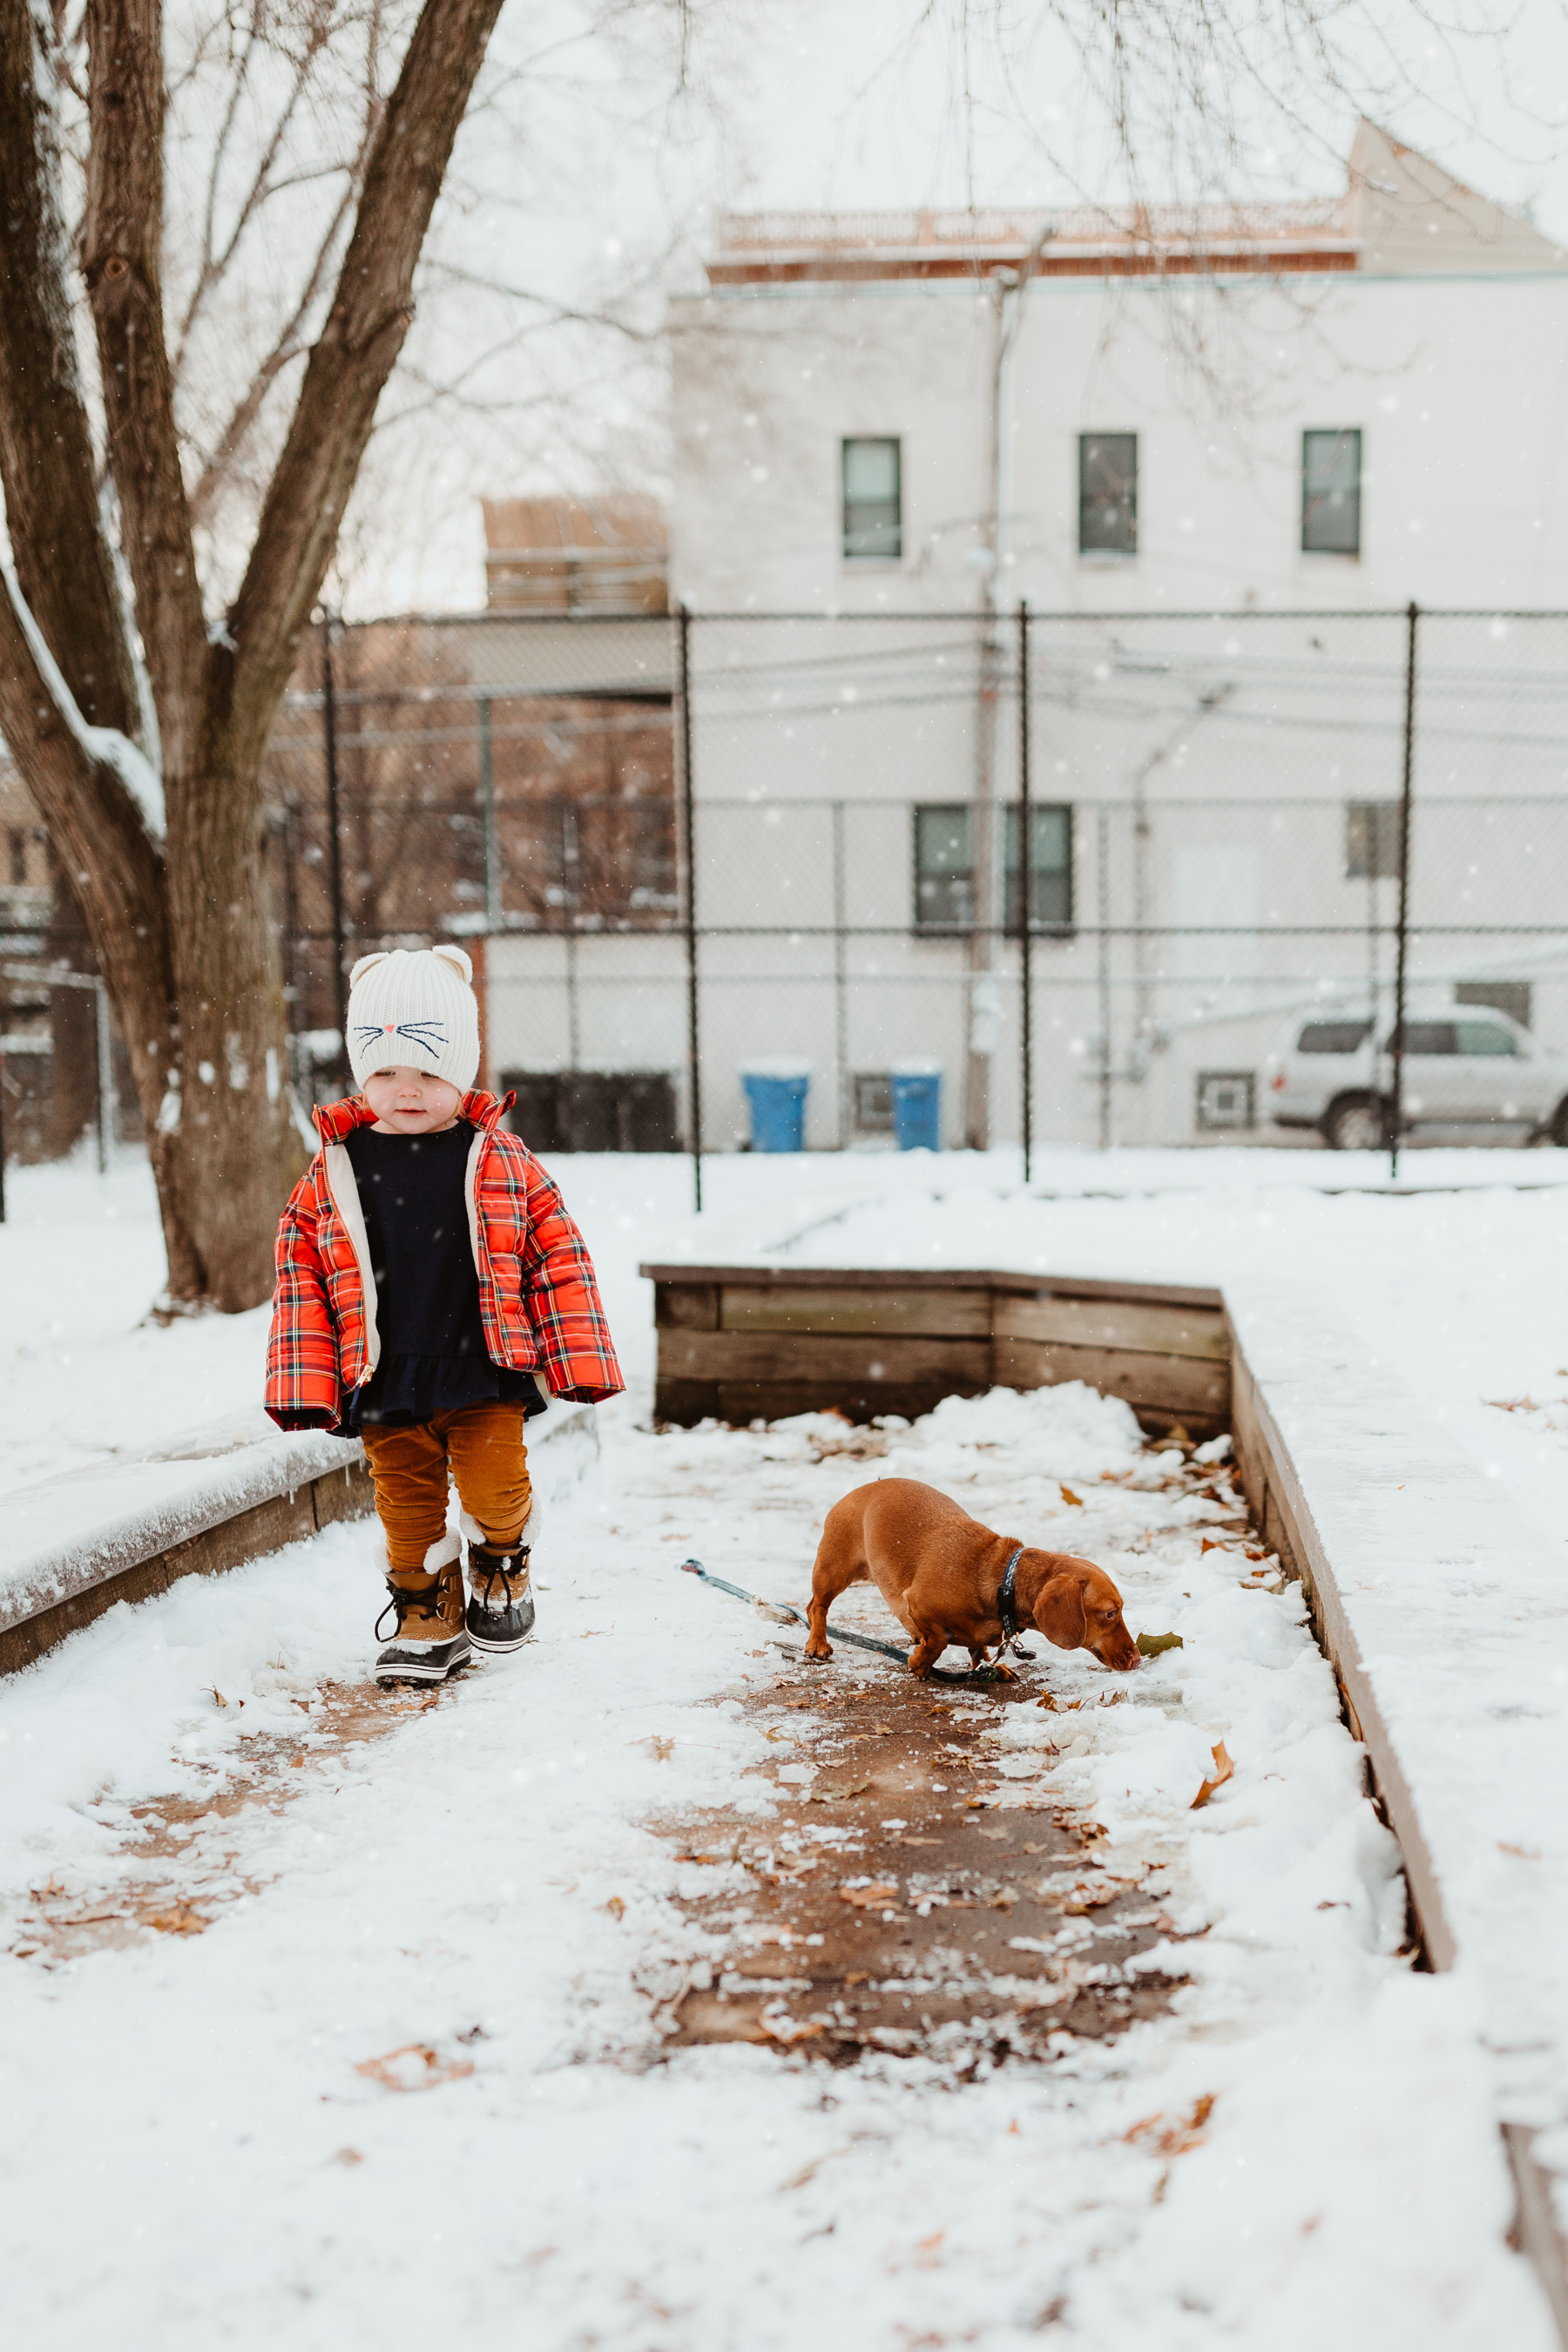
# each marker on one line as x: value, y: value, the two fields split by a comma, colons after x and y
x: 1005, y: 1603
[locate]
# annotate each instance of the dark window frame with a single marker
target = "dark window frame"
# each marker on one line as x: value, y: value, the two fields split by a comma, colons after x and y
x: 1059, y: 925
x: 1372, y: 841
x: 1326, y: 499
x: 892, y: 550
x: 1096, y: 535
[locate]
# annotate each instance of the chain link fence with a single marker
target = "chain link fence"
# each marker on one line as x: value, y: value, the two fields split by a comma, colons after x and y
x: 1130, y: 878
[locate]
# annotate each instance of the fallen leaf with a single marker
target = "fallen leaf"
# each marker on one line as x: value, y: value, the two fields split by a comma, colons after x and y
x: 1154, y: 1645
x: 217, y: 1695
x: 1177, y: 2138
x: 415, y: 2067
x: 1211, y: 1543
x: 871, y: 1898
x: 838, y: 1796
x: 1075, y: 1500
x: 662, y: 1749
x: 769, y: 1733
x: 858, y: 1976
x: 295, y: 1762
x: 785, y: 2030
x: 1223, y: 1770
x: 616, y: 1907
x: 1047, y: 1702
x: 182, y: 1919
x: 1525, y: 1853
x: 350, y: 2156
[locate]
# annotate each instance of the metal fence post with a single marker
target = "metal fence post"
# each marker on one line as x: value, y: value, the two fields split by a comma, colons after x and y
x: 693, y: 1042
x: 1397, y: 1118
x: 1026, y: 877
x: 334, y: 845
x: 840, y: 978
x: 1103, y: 861
x: 105, y: 1075
x: 488, y: 801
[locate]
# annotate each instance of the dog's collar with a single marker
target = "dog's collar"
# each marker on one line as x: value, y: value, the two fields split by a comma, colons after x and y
x: 1005, y: 1609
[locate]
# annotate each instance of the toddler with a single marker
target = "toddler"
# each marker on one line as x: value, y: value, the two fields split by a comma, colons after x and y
x: 426, y: 1269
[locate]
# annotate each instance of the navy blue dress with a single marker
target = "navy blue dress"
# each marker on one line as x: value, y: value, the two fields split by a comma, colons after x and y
x: 433, y: 1353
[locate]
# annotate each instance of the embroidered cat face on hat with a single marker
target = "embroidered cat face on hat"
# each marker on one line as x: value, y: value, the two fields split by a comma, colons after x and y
x: 413, y: 1008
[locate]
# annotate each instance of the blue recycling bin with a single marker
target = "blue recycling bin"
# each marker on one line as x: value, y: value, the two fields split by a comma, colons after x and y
x: 917, y: 1105
x: 776, y: 1094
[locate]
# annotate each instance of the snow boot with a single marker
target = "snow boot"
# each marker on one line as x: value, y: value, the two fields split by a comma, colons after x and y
x: 431, y: 1641
x: 501, y: 1600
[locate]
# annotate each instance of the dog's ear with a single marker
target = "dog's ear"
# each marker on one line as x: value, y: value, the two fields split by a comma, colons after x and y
x: 1059, y: 1612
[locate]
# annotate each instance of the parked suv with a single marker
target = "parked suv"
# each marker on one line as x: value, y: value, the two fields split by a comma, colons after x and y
x: 1464, y: 1066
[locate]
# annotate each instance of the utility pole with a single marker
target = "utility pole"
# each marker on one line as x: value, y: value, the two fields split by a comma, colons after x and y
x: 1006, y: 288
x: 1397, y: 1116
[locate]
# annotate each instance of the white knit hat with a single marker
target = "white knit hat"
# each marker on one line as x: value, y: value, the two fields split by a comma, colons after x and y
x: 414, y: 1009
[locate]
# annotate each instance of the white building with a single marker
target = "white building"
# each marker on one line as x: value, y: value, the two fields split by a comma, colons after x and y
x: 1350, y: 403
x: 1199, y: 449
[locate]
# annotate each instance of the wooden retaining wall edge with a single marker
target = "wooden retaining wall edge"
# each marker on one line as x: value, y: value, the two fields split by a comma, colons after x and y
x: 338, y: 1494
x: 1283, y: 1511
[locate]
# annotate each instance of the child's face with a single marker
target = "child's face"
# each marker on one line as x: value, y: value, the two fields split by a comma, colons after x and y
x: 411, y: 1102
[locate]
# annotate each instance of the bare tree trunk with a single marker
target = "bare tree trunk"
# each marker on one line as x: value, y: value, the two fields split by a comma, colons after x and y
x: 167, y: 868
x: 73, y: 1031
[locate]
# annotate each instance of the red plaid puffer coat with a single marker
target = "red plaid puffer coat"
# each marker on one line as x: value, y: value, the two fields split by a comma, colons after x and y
x: 538, y: 1297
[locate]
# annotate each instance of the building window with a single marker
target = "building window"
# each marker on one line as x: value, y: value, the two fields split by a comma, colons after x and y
x: 1372, y: 841
x: 17, y: 842
x: 873, y: 1102
x: 944, y: 867
x: 1050, y: 865
x: 1107, y: 494
x: 944, y: 877
x: 873, y: 501
x: 1330, y: 493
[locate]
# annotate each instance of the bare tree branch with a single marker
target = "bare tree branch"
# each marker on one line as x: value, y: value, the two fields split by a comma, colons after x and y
x: 63, y: 561
x: 123, y: 264
x: 354, y: 355
x: 289, y: 345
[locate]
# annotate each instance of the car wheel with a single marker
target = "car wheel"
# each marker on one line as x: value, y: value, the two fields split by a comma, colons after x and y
x: 1560, y: 1124
x: 1359, y: 1124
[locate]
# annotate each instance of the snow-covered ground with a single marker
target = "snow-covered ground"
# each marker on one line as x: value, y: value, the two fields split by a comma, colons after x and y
x: 195, y: 2152
x: 198, y: 2094
x: 1458, y: 1288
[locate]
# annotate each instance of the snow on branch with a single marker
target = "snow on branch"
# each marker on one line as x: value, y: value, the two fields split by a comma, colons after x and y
x: 105, y: 746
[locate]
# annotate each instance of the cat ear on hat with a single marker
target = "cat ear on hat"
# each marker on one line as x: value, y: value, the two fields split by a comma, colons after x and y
x: 366, y: 963
x: 461, y: 962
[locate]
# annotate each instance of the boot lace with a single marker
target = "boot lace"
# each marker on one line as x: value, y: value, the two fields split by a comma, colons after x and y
x: 406, y: 1602
x: 502, y: 1568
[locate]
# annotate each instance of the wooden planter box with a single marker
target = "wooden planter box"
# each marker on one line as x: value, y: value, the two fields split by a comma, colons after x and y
x: 746, y: 1343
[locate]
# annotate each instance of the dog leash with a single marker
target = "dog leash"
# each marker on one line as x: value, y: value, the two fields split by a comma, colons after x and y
x: 1006, y: 1608
x: 782, y: 1614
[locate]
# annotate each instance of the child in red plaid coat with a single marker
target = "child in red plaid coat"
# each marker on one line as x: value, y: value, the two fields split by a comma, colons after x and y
x: 426, y: 1269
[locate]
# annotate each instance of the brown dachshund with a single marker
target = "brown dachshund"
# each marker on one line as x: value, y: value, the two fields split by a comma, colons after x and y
x: 940, y: 1573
